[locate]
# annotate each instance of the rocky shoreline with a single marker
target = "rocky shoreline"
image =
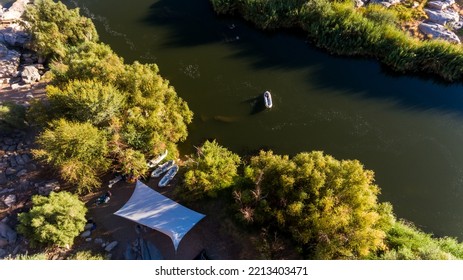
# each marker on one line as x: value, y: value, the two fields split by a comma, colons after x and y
x: 19, y: 66
x: 444, y: 17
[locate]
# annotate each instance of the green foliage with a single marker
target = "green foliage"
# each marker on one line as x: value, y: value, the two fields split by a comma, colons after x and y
x: 406, y: 242
x: 86, y: 101
x: 88, y: 61
x: 86, y: 256
x: 77, y: 150
x: 54, y: 220
x: 54, y: 28
x: 328, y: 206
x: 26, y: 257
x: 379, y: 14
x: 131, y: 162
x: 213, y: 168
x: 155, y: 115
x: 11, y: 116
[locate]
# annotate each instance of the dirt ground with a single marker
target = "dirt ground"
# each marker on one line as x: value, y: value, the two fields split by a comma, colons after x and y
x: 211, y: 234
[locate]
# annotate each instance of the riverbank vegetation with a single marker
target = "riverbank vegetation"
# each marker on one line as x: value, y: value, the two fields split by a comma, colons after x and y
x: 325, y: 208
x: 101, y: 114
x: 344, y: 30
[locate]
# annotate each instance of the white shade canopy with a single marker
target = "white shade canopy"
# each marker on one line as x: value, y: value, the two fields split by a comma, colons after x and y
x: 150, y: 208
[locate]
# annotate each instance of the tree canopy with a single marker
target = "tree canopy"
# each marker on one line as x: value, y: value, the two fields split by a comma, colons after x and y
x: 78, y: 150
x: 86, y: 101
x: 88, y: 61
x: 211, y: 170
x: 328, y: 206
x: 54, y: 28
x: 53, y: 220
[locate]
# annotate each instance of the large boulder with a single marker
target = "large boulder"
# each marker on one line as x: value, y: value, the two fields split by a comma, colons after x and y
x: 15, y: 12
x: 9, y: 62
x: 14, y: 36
x: 438, y: 31
x: 30, y: 74
x: 6, y: 233
x: 442, y: 17
x: 438, y: 5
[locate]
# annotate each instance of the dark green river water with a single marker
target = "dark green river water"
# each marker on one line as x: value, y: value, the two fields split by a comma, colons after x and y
x: 407, y: 129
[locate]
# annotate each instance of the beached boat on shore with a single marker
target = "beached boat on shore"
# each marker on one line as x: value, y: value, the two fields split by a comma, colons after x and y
x: 268, y: 99
x: 162, y: 168
x: 155, y: 161
x: 169, y: 176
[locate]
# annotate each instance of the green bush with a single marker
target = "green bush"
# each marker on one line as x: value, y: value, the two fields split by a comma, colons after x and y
x: 54, y: 28
x: 213, y: 168
x: 54, y: 220
x: 88, y: 61
x: 406, y: 242
x: 86, y: 101
x: 12, y: 116
x: 327, y: 206
x: 86, y: 256
x: 78, y: 150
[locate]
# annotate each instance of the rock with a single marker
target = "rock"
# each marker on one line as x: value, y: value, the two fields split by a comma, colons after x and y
x: 4, y: 191
x: 385, y: 3
x: 359, y: 3
x: 24, y: 183
x: 19, y: 160
x: 3, y: 179
x: 30, y: 74
x: 110, y: 246
x: 49, y: 187
x: 3, y: 242
x: 15, y: 12
x: 21, y: 173
x: 31, y: 167
x: 7, y: 233
x: 25, y: 158
x: 98, y: 241
x: 14, y: 36
x: 88, y: 239
x: 437, y: 5
x: 13, y: 162
x: 9, y: 61
x: 89, y: 226
x: 438, y: 31
x: 86, y: 234
x: 442, y: 17
x: 9, y: 200
x: 10, y: 171
x: 16, y: 249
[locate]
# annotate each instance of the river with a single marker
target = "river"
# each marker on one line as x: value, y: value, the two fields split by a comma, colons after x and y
x: 409, y: 130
